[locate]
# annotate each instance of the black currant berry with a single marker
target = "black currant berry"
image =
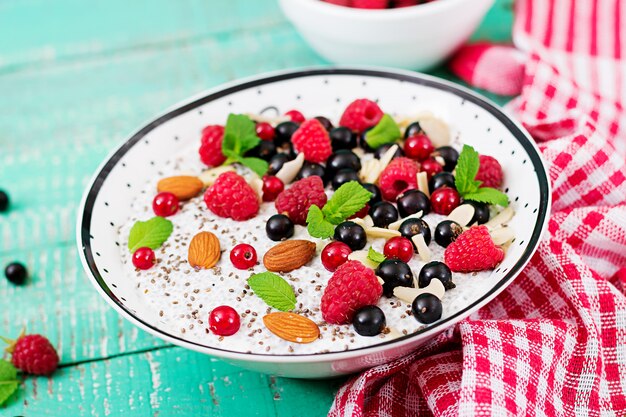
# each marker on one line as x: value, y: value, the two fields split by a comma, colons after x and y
x: 279, y: 227
x: 343, y: 176
x: 412, y: 201
x: 342, y: 138
x: 369, y: 321
x: 450, y: 155
x: 481, y: 212
x: 446, y: 232
x: 4, y: 201
x: 351, y: 234
x: 442, y: 179
x: 376, y: 194
x: 412, y: 227
x: 328, y: 125
x: 427, y: 308
x: 283, y: 132
x: 16, y: 273
x: 395, y: 273
x: 277, y: 162
x: 265, y: 150
x: 380, y: 151
x: 342, y: 159
x: 412, y: 130
x: 309, y: 169
x: 383, y: 214
x: 435, y: 270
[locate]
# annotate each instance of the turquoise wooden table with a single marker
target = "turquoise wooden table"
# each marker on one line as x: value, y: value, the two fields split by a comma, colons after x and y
x: 76, y: 77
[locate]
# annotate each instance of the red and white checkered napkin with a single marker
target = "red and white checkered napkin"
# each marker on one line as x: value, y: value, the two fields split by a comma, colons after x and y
x: 553, y: 343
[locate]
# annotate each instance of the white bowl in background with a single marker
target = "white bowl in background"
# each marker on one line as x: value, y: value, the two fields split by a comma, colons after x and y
x: 416, y: 37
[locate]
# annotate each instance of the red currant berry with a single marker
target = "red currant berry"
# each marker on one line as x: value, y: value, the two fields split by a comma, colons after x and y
x: 224, y: 321
x: 361, y: 213
x: 165, y: 204
x: 334, y: 255
x: 144, y: 258
x: 445, y: 199
x: 272, y: 186
x: 418, y: 147
x: 295, y: 116
x: 243, y: 256
x: 265, y: 131
x: 399, y: 248
x: 431, y: 167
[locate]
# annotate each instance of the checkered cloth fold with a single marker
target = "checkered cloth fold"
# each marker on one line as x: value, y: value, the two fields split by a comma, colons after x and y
x: 554, y: 342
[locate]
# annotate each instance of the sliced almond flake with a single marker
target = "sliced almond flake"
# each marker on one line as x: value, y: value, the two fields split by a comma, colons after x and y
x: 501, y: 218
x: 387, y: 157
x: 209, y: 176
x: 358, y: 152
x: 290, y: 169
x: 463, y: 214
x: 380, y: 280
x: 257, y: 185
x: 369, y: 222
x: 422, y: 249
x: 502, y: 235
x: 376, y: 232
x: 396, y: 225
x: 268, y: 119
x: 361, y: 256
x: 422, y: 183
x: 360, y: 222
x: 404, y: 121
x: 408, y: 294
x: 436, y: 130
x: 440, y: 160
x: 370, y: 171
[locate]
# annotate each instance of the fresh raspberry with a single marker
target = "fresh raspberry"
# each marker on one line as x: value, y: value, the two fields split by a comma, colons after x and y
x: 346, y: 3
x: 360, y: 115
x: 231, y: 196
x: 211, y: 146
x: 473, y: 251
x: 352, y: 286
x: 296, y: 200
x: 399, y: 176
x: 34, y: 354
x: 312, y: 139
x: 370, y: 4
x: 490, y: 172
x: 404, y: 3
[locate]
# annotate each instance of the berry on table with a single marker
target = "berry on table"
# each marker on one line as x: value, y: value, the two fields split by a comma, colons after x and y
x: 431, y: 167
x: 144, y: 258
x: 211, y: 146
x: 398, y: 247
x: 296, y: 200
x: 309, y: 169
x: 473, y: 251
x: 412, y: 130
x: 341, y: 159
x: 328, y: 125
x: 343, y: 176
x: 224, y: 321
x: 435, y: 270
x: 16, y: 273
x: 351, y: 287
x: 4, y: 201
x: 445, y: 199
x: 295, y: 116
x: 411, y: 202
x: 418, y: 147
x: 376, y: 194
x: 360, y: 115
x: 313, y: 141
x: 272, y: 186
x: 400, y: 175
x: 383, y: 214
x: 442, y: 179
x: 369, y: 321
x: 450, y: 155
x: 342, y: 138
x: 165, y: 204
x: 381, y: 150
x: 334, y: 255
x: 284, y: 131
x: 243, y: 256
x: 412, y: 227
x: 481, y: 212
x: 265, y: 131
x: 279, y: 227
x: 427, y: 308
x: 395, y: 273
x: 489, y: 172
x: 277, y: 162
x: 351, y: 234
x: 33, y: 354
x: 231, y: 196
x: 446, y: 232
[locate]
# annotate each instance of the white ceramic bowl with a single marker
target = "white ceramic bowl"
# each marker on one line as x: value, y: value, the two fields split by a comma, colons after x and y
x: 107, y: 201
x: 416, y: 37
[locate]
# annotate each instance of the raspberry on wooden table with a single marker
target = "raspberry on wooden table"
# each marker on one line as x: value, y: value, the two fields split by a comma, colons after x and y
x: 231, y: 196
x: 473, y: 251
x: 34, y: 354
x: 313, y: 141
x: 360, y: 115
x: 490, y: 172
x: 211, y: 146
x: 399, y: 176
x: 296, y: 200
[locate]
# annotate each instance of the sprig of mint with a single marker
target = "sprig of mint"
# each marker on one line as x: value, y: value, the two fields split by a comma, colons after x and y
x: 274, y: 290
x: 151, y: 233
x: 347, y: 200
x: 240, y: 137
x: 385, y: 131
x: 375, y: 256
x: 8, y: 380
x: 465, y: 180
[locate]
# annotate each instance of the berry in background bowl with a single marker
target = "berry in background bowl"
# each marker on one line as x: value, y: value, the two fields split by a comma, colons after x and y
x: 417, y: 37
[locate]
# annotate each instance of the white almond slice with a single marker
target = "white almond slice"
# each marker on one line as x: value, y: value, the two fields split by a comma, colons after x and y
x: 387, y: 157
x: 408, y: 294
x: 440, y: 160
x: 376, y: 232
x: 463, y: 214
x: 209, y: 176
x: 501, y: 218
x: 358, y: 152
x: 380, y: 280
x: 436, y: 130
x: 502, y: 235
x: 422, y: 248
x: 257, y: 185
x: 361, y: 256
x: 370, y: 171
x: 422, y: 183
x: 369, y: 222
x: 290, y: 169
x: 360, y: 222
x: 268, y: 119
x: 396, y: 225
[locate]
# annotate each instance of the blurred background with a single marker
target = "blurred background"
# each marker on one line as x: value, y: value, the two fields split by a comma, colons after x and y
x: 76, y: 78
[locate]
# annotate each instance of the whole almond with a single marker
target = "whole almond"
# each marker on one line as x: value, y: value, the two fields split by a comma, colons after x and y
x: 292, y: 327
x: 289, y: 255
x: 204, y: 250
x: 182, y: 186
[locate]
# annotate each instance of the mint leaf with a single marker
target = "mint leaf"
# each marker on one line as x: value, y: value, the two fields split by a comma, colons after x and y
x: 255, y: 164
x: 375, y: 256
x: 8, y: 380
x: 466, y: 170
x: 151, y: 233
x: 488, y: 195
x: 274, y: 290
x: 317, y: 225
x: 347, y: 200
x: 385, y: 131
x: 239, y: 134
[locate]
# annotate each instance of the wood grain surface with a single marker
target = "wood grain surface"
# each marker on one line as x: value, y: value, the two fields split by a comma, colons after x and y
x: 76, y: 78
